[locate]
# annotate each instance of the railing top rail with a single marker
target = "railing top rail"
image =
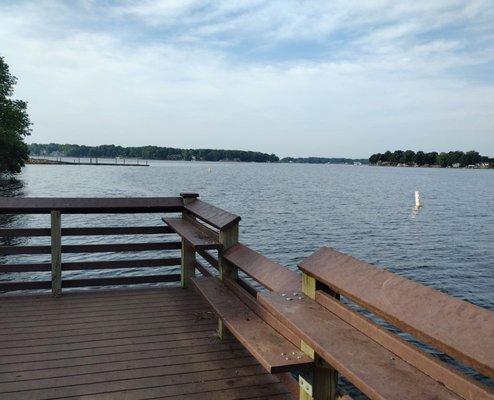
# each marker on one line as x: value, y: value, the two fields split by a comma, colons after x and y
x: 456, y: 327
x: 87, y: 205
x: 212, y: 215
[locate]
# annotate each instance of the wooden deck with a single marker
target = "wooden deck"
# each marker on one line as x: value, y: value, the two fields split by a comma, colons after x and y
x: 132, y: 344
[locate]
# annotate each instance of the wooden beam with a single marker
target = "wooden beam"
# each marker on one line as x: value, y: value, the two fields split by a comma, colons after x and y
x: 56, y: 253
x: 228, y: 238
x: 322, y: 383
x: 188, y: 254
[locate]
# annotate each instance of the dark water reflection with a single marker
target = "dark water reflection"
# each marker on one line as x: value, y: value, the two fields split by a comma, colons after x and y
x: 288, y: 211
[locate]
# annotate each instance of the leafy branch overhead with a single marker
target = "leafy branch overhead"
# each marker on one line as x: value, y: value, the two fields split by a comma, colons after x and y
x: 14, y: 124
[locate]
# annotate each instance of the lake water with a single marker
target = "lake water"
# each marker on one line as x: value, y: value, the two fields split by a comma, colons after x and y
x: 290, y: 210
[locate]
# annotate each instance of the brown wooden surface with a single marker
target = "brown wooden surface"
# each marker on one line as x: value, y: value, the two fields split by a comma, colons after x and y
x: 91, y: 248
x: 268, y: 273
x: 213, y: 261
x: 432, y: 366
x: 9, y: 286
x: 273, y: 351
x: 202, y: 269
x: 88, y: 265
x: 197, y: 235
x: 164, y: 351
x: 458, y: 328
x: 80, y: 205
x: 376, y: 371
x: 87, y: 231
x: 212, y: 215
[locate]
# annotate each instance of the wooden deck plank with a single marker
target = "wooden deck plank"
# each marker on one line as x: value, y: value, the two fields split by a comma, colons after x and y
x: 376, y: 371
x: 273, y: 351
x: 456, y: 327
x: 96, y: 383
x: 133, y: 317
x: 135, y: 345
x: 247, y: 377
x: 197, y: 235
x: 90, y: 308
x: 170, y: 341
x: 157, y: 351
x: 266, y: 272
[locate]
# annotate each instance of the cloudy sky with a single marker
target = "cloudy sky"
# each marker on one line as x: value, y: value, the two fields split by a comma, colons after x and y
x: 323, y: 78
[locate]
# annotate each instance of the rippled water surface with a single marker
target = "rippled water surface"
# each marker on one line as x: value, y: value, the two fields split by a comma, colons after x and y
x: 289, y: 210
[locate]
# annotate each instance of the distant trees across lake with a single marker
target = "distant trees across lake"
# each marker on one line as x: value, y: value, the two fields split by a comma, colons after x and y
x: 148, y: 153
x: 322, y: 160
x: 420, y: 158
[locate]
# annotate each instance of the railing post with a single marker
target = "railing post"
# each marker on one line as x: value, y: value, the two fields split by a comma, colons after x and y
x: 56, y: 253
x: 228, y: 237
x: 188, y: 254
x: 322, y: 382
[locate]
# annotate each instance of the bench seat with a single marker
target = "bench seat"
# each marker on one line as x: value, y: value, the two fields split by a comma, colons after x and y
x: 195, y: 234
x: 275, y: 353
x: 372, y: 368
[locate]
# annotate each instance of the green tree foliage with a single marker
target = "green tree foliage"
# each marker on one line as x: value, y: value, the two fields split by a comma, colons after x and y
x: 14, y: 124
x: 450, y: 159
x: 149, y: 153
x: 321, y: 160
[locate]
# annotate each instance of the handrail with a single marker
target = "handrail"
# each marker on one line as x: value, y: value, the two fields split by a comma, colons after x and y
x: 57, y: 207
x: 89, y: 205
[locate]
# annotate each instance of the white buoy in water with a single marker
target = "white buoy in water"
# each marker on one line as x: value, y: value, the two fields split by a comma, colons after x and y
x: 418, y: 203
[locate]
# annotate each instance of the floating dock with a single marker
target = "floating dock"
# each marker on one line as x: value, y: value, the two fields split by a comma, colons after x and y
x: 123, y: 163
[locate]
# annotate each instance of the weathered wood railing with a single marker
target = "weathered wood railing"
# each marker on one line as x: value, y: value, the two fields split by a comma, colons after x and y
x: 57, y: 208
x: 294, y: 322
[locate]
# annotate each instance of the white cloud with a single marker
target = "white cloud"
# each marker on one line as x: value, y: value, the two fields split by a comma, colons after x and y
x: 169, y: 73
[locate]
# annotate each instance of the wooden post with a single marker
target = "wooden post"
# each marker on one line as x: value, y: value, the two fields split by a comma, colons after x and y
x: 322, y: 382
x: 188, y: 262
x: 228, y: 237
x: 56, y: 253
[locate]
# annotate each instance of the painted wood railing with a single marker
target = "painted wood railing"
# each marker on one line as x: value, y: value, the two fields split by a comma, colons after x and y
x: 57, y: 208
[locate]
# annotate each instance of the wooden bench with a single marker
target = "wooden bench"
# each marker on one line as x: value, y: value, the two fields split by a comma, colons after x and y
x: 264, y: 271
x: 273, y: 351
x: 196, y: 235
x: 379, y: 363
x: 211, y: 215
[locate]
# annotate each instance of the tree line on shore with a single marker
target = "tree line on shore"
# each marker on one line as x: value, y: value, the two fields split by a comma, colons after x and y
x: 149, y: 153
x: 420, y: 158
x: 14, y: 124
x: 322, y: 160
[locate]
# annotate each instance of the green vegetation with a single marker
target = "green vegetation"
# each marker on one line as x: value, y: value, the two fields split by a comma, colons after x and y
x: 322, y: 160
x: 14, y: 124
x: 149, y: 153
x: 450, y: 159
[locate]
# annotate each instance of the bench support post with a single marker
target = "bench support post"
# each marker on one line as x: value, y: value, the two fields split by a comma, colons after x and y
x: 56, y: 253
x: 228, y: 237
x: 188, y: 259
x: 320, y: 383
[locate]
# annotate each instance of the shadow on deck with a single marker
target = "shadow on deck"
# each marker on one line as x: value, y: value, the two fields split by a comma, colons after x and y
x: 132, y: 344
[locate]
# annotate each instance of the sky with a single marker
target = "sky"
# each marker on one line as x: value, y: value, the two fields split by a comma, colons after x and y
x: 300, y: 78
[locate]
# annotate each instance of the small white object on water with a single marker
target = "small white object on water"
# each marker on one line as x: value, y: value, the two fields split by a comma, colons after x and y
x: 210, y: 169
x: 418, y: 203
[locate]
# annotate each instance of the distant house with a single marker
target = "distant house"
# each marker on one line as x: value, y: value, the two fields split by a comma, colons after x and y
x: 456, y: 165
